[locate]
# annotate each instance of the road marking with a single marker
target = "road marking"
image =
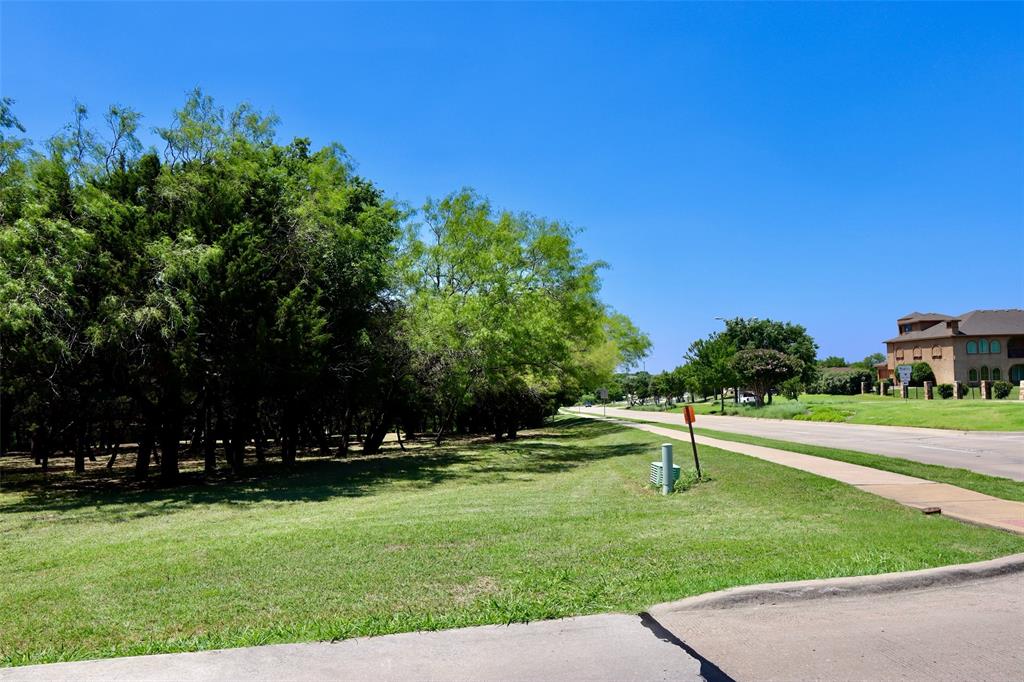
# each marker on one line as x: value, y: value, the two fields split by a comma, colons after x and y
x: 936, y: 447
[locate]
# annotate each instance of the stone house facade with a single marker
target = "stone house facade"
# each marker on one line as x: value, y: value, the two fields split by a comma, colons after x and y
x: 980, y: 345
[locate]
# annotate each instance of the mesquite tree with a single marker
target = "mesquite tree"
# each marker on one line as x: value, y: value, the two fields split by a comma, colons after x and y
x: 227, y: 294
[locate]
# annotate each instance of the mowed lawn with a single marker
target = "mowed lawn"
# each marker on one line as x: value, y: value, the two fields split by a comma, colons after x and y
x: 558, y: 523
x: 966, y: 415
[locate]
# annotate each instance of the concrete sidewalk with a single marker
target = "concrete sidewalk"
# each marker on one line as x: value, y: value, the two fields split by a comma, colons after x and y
x: 958, y: 503
x: 605, y: 647
x: 996, y: 453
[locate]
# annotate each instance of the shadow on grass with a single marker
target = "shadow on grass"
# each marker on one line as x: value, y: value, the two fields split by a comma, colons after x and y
x: 545, y: 452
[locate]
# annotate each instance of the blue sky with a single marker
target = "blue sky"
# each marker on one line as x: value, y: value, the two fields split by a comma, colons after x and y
x: 833, y: 165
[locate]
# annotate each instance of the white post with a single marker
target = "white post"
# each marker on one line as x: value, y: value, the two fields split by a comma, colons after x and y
x: 667, y: 481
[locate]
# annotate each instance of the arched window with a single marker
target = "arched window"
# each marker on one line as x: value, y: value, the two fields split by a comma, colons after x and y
x: 972, y: 375
x: 936, y: 352
x: 996, y: 376
x: 899, y: 353
x: 972, y: 347
x: 984, y: 373
x: 917, y: 353
x: 995, y: 347
x: 983, y: 346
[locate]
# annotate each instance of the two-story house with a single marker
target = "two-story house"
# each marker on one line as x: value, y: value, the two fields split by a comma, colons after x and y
x: 980, y: 345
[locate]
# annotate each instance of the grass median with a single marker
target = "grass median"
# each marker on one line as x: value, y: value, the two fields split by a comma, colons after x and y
x: 558, y: 523
x: 963, y: 415
x: 1004, y: 488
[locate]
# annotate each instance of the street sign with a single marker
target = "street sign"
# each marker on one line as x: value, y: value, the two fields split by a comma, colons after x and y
x: 904, y: 372
x: 602, y: 393
x: 689, y: 417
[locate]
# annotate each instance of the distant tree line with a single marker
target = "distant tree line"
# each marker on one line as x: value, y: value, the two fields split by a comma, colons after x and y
x: 228, y: 297
x: 764, y: 356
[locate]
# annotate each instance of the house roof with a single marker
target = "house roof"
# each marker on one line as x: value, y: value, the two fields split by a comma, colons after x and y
x: 916, y: 316
x: 973, y: 323
x: 982, y: 322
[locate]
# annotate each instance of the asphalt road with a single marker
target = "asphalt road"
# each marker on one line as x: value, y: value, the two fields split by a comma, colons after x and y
x: 987, y: 452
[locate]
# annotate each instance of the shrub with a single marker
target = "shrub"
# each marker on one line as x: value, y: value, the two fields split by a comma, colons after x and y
x: 965, y: 389
x: 945, y: 391
x: 1001, y: 389
x: 921, y: 372
x: 792, y: 388
x: 846, y: 382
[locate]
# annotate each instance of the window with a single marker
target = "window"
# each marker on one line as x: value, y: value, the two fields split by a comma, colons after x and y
x: 905, y: 329
x: 983, y: 346
x: 994, y: 346
x: 899, y: 353
x: 972, y: 347
x: 996, y: 376
x: 936, y: 352
x: 918, y: 353
x: 972, y: 375
x: 984, y: 373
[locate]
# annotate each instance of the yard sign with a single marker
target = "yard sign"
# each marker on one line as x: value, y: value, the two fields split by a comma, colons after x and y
x: 905, y: 371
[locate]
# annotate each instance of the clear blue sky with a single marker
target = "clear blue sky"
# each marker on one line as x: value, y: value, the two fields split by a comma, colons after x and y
x: 834, y: 165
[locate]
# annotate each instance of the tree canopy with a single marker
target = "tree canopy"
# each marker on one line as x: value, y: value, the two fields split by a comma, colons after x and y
x: 230, y: 294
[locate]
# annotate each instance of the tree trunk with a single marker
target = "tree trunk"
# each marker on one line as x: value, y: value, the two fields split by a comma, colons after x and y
x: 169, y: 451
x: 209, y: 442
x: 322, y: 442
x: 444, y: 425
x: 375, y: 434
x: 145, y: 450
x: 238, y: 441
x: 113, y: 455
x: 288, y: 441
x: 261, y: 453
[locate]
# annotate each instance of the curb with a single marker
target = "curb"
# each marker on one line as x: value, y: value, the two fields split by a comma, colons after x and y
x: 805, y: 590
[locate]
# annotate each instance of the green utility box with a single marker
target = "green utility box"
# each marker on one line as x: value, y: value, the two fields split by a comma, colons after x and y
x: 656, y: 475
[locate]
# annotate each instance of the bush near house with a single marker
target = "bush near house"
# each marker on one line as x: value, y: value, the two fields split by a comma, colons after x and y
x: 840, y: 381
x: 1001, y: 389
x: 945, y: 391
x: 921, y: 373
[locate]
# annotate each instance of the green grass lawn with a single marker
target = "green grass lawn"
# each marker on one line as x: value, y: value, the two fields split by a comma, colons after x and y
x: 1005, y: 488
x: 966, y: 415
x: 558, y: 523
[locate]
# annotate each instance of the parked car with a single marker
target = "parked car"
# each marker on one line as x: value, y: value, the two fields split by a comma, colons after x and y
x: 747, y: 398
x: 588, y: 404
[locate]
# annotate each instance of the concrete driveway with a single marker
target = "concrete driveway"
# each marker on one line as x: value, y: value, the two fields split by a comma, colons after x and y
x: 987, y: 452
x: 851, y: 629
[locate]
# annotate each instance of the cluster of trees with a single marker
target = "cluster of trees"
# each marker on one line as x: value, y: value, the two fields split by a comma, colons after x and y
x: 760, y: 355
x: 229, y: 294
x: 836, y: 376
